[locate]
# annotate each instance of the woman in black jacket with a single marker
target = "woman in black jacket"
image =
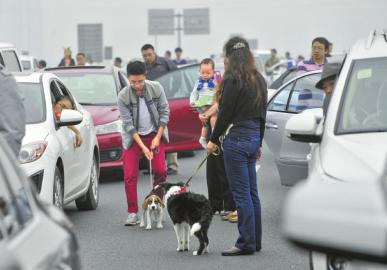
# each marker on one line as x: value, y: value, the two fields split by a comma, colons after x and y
x: 242, y: 115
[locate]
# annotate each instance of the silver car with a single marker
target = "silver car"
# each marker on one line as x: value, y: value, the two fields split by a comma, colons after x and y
x: 32, y: 235
x: 295, y: 96
x: 340, y: 211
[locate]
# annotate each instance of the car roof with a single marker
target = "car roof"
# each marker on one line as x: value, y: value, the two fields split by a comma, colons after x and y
x: 6, y: 45
x: 374, y: 46
x: 32, y: 77
x: 26, y: 57
x: 81, y: 69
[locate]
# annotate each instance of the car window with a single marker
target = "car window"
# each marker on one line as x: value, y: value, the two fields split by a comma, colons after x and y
x: 10, y: 60
x: 179, y: 83
x: 305, y: 95
x: 97, y: 89
x: 66, y: 92
x: 279, y: 102
x: 26, y: 64
x: 34, y: 102
x: 364, y: 103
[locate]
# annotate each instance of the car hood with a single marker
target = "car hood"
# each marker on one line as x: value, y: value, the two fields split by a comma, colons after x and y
x: 103, y: 114
x: 355, y: 157
x: 35, y: 133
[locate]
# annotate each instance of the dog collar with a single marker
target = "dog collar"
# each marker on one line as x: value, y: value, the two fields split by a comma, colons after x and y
x: 181, y: 190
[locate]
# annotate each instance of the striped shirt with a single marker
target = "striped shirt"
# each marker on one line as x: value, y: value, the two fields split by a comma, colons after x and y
x: 308, y: 65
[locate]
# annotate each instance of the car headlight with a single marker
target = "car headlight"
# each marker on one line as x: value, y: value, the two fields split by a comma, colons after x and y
x: 112, y: 127
x: 32, y: 151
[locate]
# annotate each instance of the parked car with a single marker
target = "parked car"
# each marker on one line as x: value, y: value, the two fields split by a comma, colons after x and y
x: 33, y: 235
x: 9, y: 57
x: 60, y: 171
x: 290, y: 156
x: 284, y: 78
x: 96, y: 89
x: 28, y: 62
x: 339, y: 212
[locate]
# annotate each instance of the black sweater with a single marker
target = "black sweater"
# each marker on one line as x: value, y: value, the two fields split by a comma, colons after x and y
x: 238, y: 103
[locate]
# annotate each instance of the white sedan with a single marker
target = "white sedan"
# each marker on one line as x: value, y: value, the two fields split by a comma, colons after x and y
x: 60, y: 171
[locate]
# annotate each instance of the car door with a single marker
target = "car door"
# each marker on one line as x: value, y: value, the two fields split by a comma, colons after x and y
x: 295, y: 97
x: 81, y: 156
x: 184, y: 125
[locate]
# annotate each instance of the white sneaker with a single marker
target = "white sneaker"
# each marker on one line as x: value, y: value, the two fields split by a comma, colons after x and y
x: 132, y: 220
x: 203, y: 142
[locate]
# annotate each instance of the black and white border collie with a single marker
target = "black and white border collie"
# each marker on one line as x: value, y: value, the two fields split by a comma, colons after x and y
x: 190, y: 213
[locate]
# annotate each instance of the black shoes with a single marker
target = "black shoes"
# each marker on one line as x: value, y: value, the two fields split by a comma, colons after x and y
x: 234, y: 251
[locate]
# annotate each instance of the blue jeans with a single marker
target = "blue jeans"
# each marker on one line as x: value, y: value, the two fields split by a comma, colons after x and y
x: 240, y: 156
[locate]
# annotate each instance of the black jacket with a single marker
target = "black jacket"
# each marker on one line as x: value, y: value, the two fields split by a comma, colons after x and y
x: 238, y: 103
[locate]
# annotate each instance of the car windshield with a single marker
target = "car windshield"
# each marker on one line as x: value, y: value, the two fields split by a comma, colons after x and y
x: 34, y: 102
x: 364, y: 105
x: 91, y: 89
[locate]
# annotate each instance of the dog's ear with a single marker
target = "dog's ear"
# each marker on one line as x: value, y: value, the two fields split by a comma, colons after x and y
x: 145, y: 203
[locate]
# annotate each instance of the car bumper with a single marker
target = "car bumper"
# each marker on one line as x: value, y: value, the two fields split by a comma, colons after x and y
x: 41, y: 172
x: 110, y: 151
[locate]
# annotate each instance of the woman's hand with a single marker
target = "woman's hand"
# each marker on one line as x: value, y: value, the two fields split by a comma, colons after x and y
x: 78, y: 139
x: 203, y: 117
x: 211, y: 147
x: 259, y: 154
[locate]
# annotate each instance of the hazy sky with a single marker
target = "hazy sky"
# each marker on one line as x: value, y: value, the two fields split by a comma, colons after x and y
x: 44, y: 27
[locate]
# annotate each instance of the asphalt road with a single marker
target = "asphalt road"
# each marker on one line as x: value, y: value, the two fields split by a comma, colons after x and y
x: 107, y: 244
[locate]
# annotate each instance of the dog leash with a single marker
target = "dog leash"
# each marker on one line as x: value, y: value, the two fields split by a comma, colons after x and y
x: 215, y: 153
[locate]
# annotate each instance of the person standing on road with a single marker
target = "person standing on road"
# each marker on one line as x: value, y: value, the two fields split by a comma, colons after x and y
x: 144, y: 112
x: 241, y: 119
x: 157, y: 66
x: 12, y: 112
x: 272, y: 60
x: 320, y: 48
x: 327, y: 82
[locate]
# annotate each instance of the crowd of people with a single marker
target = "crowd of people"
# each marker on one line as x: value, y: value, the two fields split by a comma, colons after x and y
x: 232, y: 110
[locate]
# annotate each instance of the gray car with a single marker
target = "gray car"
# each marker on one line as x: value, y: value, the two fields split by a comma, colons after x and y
x: 34, y: 235
x: 293, y: 97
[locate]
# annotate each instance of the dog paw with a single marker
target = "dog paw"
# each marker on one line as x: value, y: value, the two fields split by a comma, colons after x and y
x: 159, y: 226
x: 195, y: 253
x: 206, y: 250
x: 148, y: 228
x: 179, y: 249
x: 142, y: 225
x: 186, y: 249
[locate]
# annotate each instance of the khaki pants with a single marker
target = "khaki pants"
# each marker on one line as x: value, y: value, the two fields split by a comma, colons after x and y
x: 172, y: 161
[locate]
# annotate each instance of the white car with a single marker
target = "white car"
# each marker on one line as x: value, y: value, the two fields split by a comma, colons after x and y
x: 60, y: 171
x: 28, y: 62
x: 340, y: 210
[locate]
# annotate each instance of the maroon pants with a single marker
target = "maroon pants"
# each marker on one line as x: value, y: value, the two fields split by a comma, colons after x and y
x: 131, y: 159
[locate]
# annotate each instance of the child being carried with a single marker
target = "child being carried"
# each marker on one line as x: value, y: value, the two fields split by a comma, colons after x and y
x: 203, y: 95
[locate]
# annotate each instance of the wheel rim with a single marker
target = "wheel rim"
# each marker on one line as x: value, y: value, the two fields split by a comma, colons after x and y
x: 58, y: 198
x: 94, y: 180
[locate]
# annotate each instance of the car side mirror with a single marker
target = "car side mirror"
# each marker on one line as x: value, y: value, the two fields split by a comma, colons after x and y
x: 70, y: 118
x: 341, y: 218
x: 303, y: 127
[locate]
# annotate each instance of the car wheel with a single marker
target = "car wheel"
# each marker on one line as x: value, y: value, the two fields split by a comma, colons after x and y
x: 89, y: 201
x: 58, y: 188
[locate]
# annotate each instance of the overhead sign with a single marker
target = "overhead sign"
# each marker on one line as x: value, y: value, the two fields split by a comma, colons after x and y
x: 196, y: 21
x: 161, y: 22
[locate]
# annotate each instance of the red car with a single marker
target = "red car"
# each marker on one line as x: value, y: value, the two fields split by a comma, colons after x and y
x: 96, y: 88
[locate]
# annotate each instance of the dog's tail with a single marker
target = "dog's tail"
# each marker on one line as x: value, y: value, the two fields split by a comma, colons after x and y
x: 195, y: 228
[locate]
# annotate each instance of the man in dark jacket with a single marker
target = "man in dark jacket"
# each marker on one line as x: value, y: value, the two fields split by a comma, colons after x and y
x: 157, y: 66
x: 12, y: 113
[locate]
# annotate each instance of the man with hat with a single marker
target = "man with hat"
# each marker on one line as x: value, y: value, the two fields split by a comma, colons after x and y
x: 327, y: 82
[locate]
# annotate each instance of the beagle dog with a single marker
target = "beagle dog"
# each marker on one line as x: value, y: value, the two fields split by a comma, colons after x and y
x: 152, y: 212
